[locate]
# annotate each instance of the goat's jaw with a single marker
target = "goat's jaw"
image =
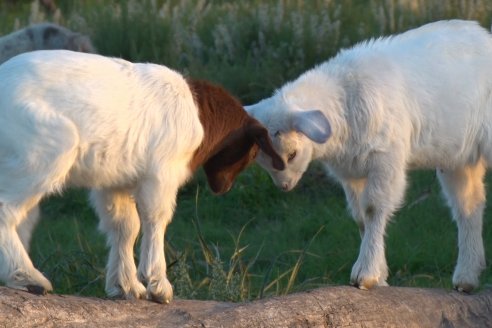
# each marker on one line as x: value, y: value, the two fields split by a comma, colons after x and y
x: 222, y: 190
x: 220, y: 186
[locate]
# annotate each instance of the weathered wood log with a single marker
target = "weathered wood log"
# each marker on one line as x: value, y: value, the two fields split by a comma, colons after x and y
x: 325, y: 307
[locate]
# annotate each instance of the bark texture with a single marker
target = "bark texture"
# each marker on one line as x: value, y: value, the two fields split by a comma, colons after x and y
x: 325, y: 307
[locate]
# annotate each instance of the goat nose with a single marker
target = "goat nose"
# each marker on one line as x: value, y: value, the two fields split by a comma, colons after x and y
x: 285, y: 186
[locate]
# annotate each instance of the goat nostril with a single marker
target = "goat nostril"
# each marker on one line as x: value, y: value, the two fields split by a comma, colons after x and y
x: 285, y: 186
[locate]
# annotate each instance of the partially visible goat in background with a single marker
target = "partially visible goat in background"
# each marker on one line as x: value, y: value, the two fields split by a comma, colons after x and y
x: 43, y: 36
x: 421, y: 99
x: 133, y: 133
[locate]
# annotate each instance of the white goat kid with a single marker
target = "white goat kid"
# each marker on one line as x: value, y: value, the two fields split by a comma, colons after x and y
x: 134, y: 133
x: 421, y: 99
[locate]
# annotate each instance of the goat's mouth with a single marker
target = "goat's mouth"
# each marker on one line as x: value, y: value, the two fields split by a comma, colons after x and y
x: 285, y: 185
x: 220, y: 187
x: 222, y: 190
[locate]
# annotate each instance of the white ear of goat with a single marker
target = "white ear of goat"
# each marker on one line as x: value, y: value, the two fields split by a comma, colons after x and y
x: 311, y: 123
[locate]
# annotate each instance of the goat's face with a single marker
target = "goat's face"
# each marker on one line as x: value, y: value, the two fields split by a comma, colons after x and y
x: 296, y: 150
x: 236, y: 152
x: 221, y: 173
x: 294, y: 133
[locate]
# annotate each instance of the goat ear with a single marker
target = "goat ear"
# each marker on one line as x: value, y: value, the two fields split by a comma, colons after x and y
x: 313, y: 124
x: 80, y: 43
x: 261, y: 137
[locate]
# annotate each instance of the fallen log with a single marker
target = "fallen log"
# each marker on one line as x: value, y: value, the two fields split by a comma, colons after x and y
x: 340, y: 306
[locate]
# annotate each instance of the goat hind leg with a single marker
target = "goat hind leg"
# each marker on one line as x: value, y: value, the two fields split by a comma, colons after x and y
x: 16, y: 268
x: 26, y: 227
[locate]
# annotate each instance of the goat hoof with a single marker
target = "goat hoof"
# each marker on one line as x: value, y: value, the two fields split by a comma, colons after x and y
x: 33, y: 281
x: 138, y: 292
x: 134, y: 291
x: 160, y: 291
x: 365, y: 284
x: 162, y: 299
x: 466, y: 280
x: 464, y: 288
x: 35, y: 289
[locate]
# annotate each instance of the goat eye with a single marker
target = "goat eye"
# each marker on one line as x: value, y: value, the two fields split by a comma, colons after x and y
x: 292, y: 156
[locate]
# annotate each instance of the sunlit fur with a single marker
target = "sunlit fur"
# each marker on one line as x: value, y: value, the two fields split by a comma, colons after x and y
x: 421, y: 99
x: 42, y: 36
x: 133, y: 133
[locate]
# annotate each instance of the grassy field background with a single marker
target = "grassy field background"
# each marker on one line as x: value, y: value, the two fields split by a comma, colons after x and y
x: 255, y: 241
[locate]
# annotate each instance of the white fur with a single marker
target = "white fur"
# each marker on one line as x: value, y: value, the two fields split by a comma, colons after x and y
x: 42, y: 36
x: 421, y: 99
x: 128, y: 131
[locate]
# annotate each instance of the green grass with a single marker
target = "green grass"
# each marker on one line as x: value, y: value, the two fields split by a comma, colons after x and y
x: 256, y: 241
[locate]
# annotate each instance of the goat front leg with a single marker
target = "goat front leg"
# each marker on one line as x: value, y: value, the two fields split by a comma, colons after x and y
x: 156, y: 203
x: 119, y: 220
x: 353, y: 189
x: 381, y: 196
x: 465, y: 191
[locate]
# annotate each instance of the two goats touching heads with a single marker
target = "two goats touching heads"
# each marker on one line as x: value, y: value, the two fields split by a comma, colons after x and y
x: 240, y: 148
x: 419, y: 100
x: 133, y: 133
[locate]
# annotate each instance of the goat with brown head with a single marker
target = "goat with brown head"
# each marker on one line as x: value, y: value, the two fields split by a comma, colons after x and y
x: 133, y: 134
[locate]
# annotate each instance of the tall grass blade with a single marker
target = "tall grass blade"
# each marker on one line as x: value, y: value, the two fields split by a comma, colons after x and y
x: 297, y: 266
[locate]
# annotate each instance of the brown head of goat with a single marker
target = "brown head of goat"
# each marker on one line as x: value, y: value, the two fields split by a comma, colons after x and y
x: 232, y: 138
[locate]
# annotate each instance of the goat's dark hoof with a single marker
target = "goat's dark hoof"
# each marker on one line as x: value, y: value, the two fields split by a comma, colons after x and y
x: 38, y: 290
x: 465, y: 288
